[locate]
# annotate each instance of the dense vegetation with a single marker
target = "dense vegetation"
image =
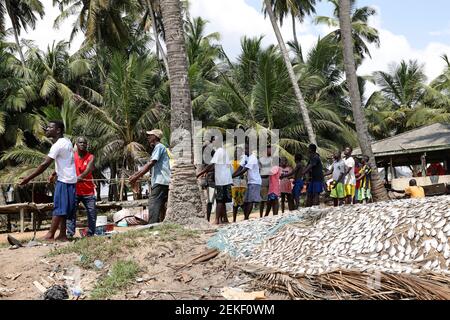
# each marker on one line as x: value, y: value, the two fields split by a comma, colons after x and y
x: 116, y: 85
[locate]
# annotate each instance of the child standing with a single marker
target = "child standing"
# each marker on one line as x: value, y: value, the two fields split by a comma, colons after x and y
x: 286, y: 185
x: 274, y: 190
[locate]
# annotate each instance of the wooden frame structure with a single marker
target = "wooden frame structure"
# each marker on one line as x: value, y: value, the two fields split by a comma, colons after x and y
x: 23, y: 208
x: 428, y: 144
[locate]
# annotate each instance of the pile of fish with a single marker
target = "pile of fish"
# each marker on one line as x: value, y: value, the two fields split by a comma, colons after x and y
x: 241, y: 240
x: 403, y: 236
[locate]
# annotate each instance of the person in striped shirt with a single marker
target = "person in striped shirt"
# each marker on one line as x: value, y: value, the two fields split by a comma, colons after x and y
x: 364, y: 192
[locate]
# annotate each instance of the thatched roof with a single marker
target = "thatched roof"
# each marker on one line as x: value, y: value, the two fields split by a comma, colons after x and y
x: 434, y: 137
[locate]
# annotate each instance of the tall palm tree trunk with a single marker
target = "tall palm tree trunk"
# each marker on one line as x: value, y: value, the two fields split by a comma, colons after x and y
x: 155, y: 31
x: 16, y: 35
x: 19, y: 49
x: 287, y: 61
x: 379, y: 191
x: 184, y: 205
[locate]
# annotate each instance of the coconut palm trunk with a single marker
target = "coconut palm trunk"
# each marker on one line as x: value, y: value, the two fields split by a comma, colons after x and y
x: 184, y: 204
x: 297, y: 44
x: 19, y: 49
x: 16, y: 33
x: 298, y: 94
x: 155, y: 32
x: 379, y: 192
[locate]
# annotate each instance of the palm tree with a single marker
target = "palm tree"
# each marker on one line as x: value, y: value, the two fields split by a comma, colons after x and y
x: 2, y: 18
x: 355, y: 97
x: 298, y: 10
x: 403, y: 85
x: 22, y: 15
x: 436, y: 101
x: 406, y: 101
x: 362, y: 33
x: 54, y: 70
x: 101, y: 22
x: 152, y: 7
x: 204, y: 54
x: 202, y: 49
x: 442, y: 82
x: 127, y: 108
x: 256, y: 92
x: 16, y: 93
x: 298, y: 94
x: 184, y: 194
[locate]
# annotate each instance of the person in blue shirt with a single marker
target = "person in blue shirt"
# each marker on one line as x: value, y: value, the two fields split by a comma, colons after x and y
x: 160, y: 166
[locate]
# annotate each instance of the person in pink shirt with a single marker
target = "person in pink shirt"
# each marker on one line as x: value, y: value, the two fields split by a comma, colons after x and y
x: 274, y: 191
x: 286, y: 185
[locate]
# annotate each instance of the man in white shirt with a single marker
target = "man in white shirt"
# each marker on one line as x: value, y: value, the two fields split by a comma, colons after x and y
x: 350, y: 178
x: 250, y: 165
x: 221, y: 164
x: 64, y: 196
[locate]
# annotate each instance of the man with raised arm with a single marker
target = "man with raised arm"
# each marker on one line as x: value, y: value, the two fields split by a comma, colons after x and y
x: 64, y: 196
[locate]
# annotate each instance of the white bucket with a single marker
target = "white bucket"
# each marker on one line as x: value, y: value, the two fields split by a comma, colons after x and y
x: 101, y: 221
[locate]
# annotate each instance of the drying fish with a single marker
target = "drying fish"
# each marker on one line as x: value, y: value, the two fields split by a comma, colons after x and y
x: 401, y: 236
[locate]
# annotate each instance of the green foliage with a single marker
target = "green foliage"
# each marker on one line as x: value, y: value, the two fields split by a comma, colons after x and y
x: 297, y: 8
x: 406, y: 101
x: 115, y: 87
x: 108, y: 249
x: 362, y: 33
x: 100, y: 248
x: 121, y: 275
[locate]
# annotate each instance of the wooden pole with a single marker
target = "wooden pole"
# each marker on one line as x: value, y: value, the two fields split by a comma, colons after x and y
x: 33, y: 220
x: 32, y: 193
x: 22, y: 219
x: 122, y: 182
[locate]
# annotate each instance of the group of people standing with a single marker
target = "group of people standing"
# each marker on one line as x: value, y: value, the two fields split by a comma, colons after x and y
x: 250, y: 180
x: 350, y: 179
x: 75, y: 182
x: 245, y: 181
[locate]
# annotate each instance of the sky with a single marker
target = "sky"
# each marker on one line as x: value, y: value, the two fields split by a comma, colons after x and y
x: 409, y: 29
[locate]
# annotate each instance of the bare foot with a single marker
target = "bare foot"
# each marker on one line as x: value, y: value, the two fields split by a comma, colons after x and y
x: 48, y: 238
x: 61, y: 239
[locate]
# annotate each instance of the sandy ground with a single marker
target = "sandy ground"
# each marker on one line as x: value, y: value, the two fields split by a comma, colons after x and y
x: 160, y: 276
x: 27, y: 236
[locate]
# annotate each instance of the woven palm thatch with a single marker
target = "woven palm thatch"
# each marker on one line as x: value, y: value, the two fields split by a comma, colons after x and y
x: 354, y: 285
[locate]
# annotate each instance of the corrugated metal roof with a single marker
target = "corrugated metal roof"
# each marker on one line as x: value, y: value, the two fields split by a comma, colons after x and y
x: 428, y: 138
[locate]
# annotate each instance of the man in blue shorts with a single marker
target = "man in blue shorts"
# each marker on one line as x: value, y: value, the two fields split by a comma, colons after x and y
x: 64, y: 196
x: 297, y: 174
